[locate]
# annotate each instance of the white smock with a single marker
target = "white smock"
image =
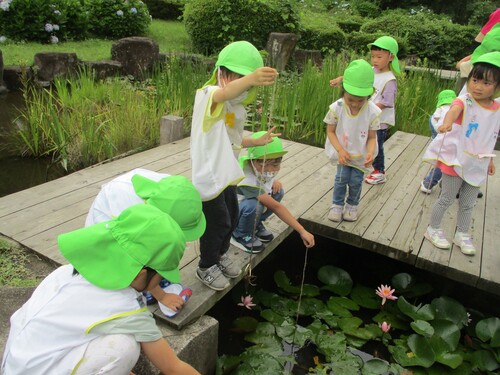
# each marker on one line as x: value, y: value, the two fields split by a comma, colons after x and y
x: 352, y: 131
x: 388, y: 115
x: 465, y: 144
x: 215, y: 144
x: 50, y: 333
x: 118, y: 195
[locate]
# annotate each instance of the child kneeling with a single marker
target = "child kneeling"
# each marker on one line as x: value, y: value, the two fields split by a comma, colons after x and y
x: 259, y: 196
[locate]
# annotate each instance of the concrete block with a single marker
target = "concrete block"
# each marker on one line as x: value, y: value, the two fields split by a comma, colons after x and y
x: 171, y: 129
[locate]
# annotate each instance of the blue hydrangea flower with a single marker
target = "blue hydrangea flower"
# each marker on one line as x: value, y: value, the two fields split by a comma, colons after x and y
x: 5, y: 4
x: 49, y: 28
x: 57, y: 12
x: 133, y: 10
x: 54, y: 39
x: 119, y: 13
x: 3, y: 39
x: 55, y: 27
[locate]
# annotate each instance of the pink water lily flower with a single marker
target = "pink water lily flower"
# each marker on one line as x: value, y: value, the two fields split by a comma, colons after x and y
x: 247, y: 302
x: 385, y: 327
x: 385, y: 292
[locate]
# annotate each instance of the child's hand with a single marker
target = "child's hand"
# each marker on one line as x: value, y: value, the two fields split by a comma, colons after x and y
x: 172, y: 301
x: 307, y: 238
x: 264, y: 76
x: 491, y: 168
x: 336, y: 82
x: 369, y: 159
x: 277, y: 186
x: 266, y: 138
x: 344, y: 157
x: 444, y: 128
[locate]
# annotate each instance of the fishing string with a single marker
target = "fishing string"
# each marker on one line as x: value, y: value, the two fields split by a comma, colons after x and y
x: 300, y: 298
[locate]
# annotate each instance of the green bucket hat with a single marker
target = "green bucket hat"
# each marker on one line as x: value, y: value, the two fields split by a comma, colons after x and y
x: 359, y: 78
x: 445, y: 97
x: 490, y: 43
x: 492, y: 58
x: 389, y: 43
x: 272, y: 150
x: 176, y: 196
x: 112, y: 253
x: 239, y: 57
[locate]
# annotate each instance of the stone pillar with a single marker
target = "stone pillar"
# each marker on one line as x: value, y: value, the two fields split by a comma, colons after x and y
x: 171, y: 129
x: 280, y: 47
x: 49, y: 65
x: 3, y: 88
x: 302, y: 56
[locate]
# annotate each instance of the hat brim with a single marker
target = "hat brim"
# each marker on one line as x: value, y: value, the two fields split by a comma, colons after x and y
x: 357, y: 91
x: 100, y: 258
x: 193, y: 234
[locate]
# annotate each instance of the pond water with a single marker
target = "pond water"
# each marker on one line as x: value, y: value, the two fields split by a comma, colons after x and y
x: 17, y: 173
x: 365, y: 268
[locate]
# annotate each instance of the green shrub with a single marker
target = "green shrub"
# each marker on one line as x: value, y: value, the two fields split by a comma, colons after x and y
x: 427, y: 35
x: 351, y: 23
x: 165, y: 9
x: 213, y: 24
x: 320, y: 33
x: 43, y: 21
x: 118, y: 18
x: 365, y: 8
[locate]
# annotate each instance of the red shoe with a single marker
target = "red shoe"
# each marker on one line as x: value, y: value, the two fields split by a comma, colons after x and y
x: 375, y: 178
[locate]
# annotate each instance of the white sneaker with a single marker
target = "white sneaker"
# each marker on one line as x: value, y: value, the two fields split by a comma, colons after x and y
x: 437, y: 237
x: 375, y: 178
x: 335, y: 213
x: 425, y: 189
x: 350, y: 213
x: 464, y: 242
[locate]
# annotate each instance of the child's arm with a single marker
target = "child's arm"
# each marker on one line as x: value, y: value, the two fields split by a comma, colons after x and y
x: 451, y: 116
x: 336, y: 82
x: 171, y: 300
x: 282, y: 212
x: 163, y: 357
x: 344, y: 156
x: 264, y: 76
x: 371, y: 143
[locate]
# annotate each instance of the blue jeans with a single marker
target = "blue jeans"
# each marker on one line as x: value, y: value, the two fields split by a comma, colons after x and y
x: 434, y: 176
x: 347, y: 176
x: 378, y: 163
x: 250, y: 211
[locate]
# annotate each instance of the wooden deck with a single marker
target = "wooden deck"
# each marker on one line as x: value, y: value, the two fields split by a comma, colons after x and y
x: 393, y: 216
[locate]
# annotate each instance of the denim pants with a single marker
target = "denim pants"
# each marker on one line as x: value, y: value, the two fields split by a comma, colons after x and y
x: 434, y: 175
x: 221, y: 214
x: 378, y: 163
x: 347, y: 177
x: 250, y: 211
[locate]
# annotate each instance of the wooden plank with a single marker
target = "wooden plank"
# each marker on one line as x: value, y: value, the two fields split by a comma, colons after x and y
x: 490, y: 257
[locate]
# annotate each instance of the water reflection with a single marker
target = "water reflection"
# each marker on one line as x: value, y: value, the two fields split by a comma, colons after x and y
x: 18, y: 173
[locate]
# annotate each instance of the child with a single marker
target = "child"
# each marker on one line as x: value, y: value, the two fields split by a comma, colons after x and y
x: 352, y: 124
x: 216, y: 140
x: 89, y: 317
x: 444, y: 100
x: 463, y: 150
x: 386, y: 65
x: 259, y: 196
x: 174, y: 195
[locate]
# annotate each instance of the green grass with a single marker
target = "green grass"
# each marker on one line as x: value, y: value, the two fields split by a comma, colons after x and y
x: 170, y: 36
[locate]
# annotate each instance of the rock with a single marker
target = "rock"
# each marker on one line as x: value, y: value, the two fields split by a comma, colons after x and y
x: 49, y: 65
x: 105, y: 68
x: 3, y: 87
x: 301, y: 56
x: 137, y: 55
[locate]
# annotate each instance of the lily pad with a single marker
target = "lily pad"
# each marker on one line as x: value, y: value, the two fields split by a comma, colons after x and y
x: 338, y: 310
x: 345, y: 302
x: 422, y: 328
x: 402, y: 281
x: 365, y: 297
x: 336, y: 279
x: 489, y: 329
x: 448, y: 331
x: 244, y: 324
x: 449, y: 309
x: 272, y: 317
x: 420, y: 346
x: 375, y: 366
x: 283, y: 282
x: 425, y: 312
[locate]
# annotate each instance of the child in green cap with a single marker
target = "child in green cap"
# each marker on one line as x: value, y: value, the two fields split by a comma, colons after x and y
x: 463, y: 150
x: 219, y: 116
x: 352, y: 124
x: 444, y: 100
x: 174, y: 195
x: 386, y: 66
x: 89, y: 317
x: 259, y: 196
